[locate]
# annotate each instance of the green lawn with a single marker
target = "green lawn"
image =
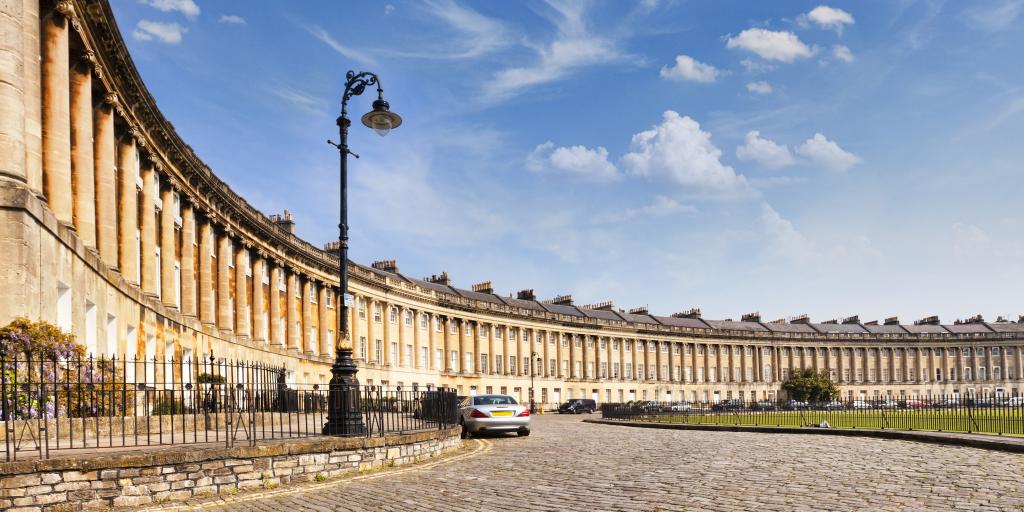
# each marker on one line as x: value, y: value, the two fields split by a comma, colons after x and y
x: 986, y: 421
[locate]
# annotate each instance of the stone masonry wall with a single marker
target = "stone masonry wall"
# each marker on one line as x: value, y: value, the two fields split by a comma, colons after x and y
x: 131, y: 479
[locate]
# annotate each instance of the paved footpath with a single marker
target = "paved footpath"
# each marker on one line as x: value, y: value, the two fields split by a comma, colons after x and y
x: 569, y: 465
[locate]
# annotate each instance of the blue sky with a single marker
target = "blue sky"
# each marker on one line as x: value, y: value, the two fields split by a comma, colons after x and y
x: 782, y: 157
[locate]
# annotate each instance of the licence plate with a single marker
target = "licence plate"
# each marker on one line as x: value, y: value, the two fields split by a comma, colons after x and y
x: 501, y: 413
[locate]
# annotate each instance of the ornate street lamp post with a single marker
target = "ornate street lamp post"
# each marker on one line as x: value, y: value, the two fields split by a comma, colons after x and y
x: 343, y: 413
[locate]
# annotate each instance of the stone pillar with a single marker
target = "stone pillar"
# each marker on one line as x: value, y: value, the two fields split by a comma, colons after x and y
x: 105, y: 170
x: 402, y: 355
x: 224, y: 317
x: 293, y: 336
x: 242, y: 315
x: 128, y: 209
x: 460, y: 327
x: 308, y: 343
x: 56, y: 111
x: 447, y: 359
x: 13, y: 97
x: 83, y: 180
x: 490, y: 347
x: 259, y: 309
x: 147, y: 230
x: 207, y: 306
x: 432, y: 345
x: 385, y: 318
x: 168, y: 250
x: 416, y: 345
x: 33, y: 113
x: 276, y: 340
x: 188, y: 264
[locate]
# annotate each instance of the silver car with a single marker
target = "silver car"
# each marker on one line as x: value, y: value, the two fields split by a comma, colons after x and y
x: 493, y: 413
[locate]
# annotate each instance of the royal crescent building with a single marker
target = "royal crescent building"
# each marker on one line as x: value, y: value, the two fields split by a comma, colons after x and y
x: 113, y: 229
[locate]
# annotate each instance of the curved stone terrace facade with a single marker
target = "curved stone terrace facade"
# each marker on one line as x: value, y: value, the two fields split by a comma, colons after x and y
x: 113, y: 229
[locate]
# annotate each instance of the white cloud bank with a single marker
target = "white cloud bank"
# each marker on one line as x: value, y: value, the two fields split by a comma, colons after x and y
x: 678, y: 149
x: 830, y: 18
x: 689, y: 69
x: 765, y: 152
x: 827, y: 154
x: 170, y: 33
x: 771, y: 45
x: 186, y: 7
x: 578, y: 161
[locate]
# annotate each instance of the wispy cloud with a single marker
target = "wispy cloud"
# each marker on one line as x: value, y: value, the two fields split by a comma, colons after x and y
x: 232, y: 19
x: 345, y: 51
x: 995, y: 18
x: 573, y: 48
x: 299, y: 99
x: 186, y: 7
x: 760, y: 87
x: 472, y: 34
x: 170, y: 33
x: 662, y: 206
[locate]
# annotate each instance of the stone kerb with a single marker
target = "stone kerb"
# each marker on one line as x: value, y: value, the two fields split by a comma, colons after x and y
x: 95, y: 480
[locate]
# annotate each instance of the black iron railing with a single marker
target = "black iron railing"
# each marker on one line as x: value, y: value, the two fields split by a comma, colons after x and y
x: 984, y: 414
x: 52, y: 406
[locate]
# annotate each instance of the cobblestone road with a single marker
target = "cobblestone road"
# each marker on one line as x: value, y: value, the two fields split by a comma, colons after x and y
x: 568, y: 465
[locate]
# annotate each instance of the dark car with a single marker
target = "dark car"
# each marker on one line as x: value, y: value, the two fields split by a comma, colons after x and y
x: 578, y: 406
x: 764, y: 405
x: 728, y: 405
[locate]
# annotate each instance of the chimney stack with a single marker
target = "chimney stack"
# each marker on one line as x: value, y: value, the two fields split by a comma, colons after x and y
x: 800, y: 319
x: 752, y: 317
x: 284, y: 221
x: 484, y: 287
x: 855, y: 319
x: 892, y: 320
x: 641, y: 310
x: 691, y: 313
x: 386, y: 265
x: 873, y: 322
x: 606, y: 305
x: 931, y: 320
x: 562, y: 300
x: 527, y: 294
x: 439, y: 279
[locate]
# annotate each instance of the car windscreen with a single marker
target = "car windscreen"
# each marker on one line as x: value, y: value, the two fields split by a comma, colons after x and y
x: 493, y: 400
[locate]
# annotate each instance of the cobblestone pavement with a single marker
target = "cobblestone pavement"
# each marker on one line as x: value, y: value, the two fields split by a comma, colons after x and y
x: 569, y: 465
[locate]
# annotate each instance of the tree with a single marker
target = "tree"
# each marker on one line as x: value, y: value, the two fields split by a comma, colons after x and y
x: 809, y: 386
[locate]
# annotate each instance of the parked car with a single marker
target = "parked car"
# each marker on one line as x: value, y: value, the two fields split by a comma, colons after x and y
x: 947, y: 404
x: 678, y: 407
x: 493, y: 413
x: 728, y: 405
x: 834, y: 405
x: 1017, y: 401
x: 578, y: 406
x: 795, y: 405
x: 764, y: 405
x: 917, y: 404
x: 860, y: 404
x: 888, y: 404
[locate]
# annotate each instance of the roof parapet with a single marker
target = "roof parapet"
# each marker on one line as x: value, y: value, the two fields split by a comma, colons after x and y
x: 690, y: 313
x: 484, y: 287
x: 976, y: 319
x: 855, y: 319
x: 751, y: 317
x: 386, y: 265
x: 800, y: 319
x: 930, y: 320
x: 892, y: 320
x: 606, y: 305
x: 441, y: 279
x: 527, y: 294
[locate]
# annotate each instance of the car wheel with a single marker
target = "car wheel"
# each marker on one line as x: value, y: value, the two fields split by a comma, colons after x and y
x: 465, y: 432
x: 523, y: 433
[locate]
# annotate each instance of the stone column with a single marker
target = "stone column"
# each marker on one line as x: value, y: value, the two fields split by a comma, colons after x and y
x: 224, y: 317
x: 242, y: 316
x: 447, y: 359
x: 324, y: 343
x: 416, y: 344
x: 402, y: 356
x: 105, y: 170
x: 259, y: 308
x: 168, y: 250
x: 276, y: 340
x: 385, y: 317
x: 16, y: 20
x: 207, y: 307
x: 460, y: 327
x: 308, y: 344
x: 293, y: 336
x: 188, y: 263
x: 147, y: 231
x: 83, y: 179
x: 56, y: 111
x: 128, y: 209
x: 490, y: 347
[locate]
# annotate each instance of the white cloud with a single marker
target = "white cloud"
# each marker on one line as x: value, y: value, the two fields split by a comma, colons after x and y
x: 771, y: 45
x: 299, y: 100
x: 473, y: 34
x: 573, y: 48
x: 662, y: 206
x: 687, y: 68
x: 842, y: 53
x: 349, y: 53
x: 761, y: 87
x: 147, y: 30
x: 579, y: 161
x: 783, y: 239
x: 995, y: 19
x: 756, y: 66
x: 232, y: 19
x: 828, y: 18
x: 826, y: 153
x: 678, y: 149
x: 186, y: 7
x: 765, y: 152
x: 388, y: 9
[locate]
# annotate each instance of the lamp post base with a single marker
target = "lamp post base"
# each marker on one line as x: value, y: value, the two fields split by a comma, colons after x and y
x: 344, y: 417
